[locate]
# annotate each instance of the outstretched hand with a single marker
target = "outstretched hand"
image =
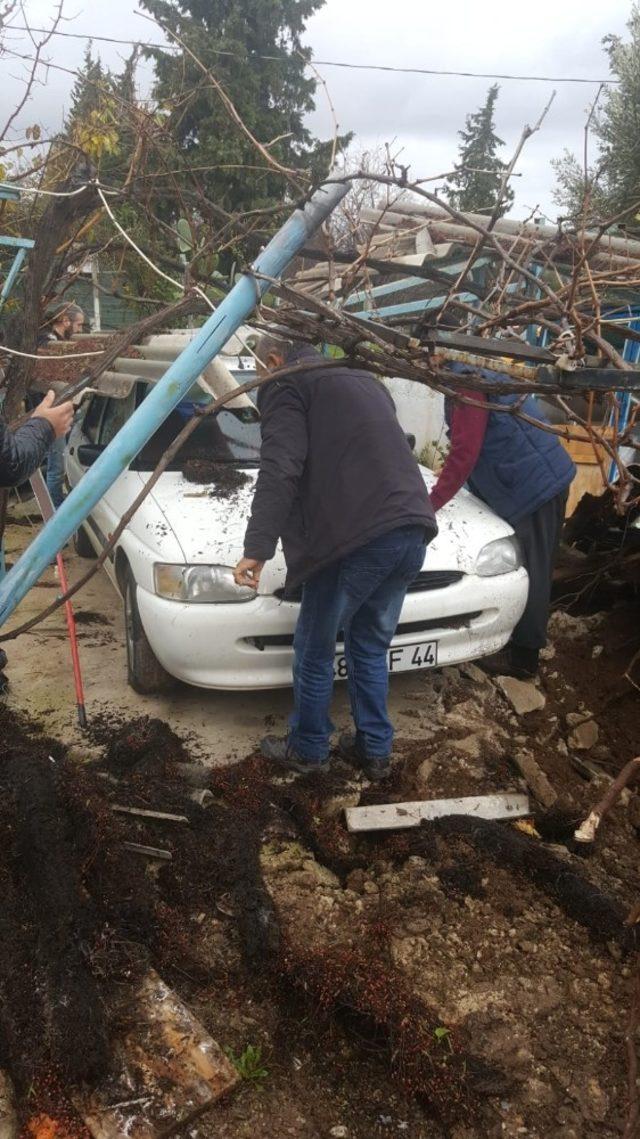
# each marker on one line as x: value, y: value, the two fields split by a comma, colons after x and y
x: 60, y: 417
x: 247, y: 572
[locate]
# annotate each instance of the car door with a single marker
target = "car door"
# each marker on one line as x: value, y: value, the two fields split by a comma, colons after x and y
x: 100, y: 424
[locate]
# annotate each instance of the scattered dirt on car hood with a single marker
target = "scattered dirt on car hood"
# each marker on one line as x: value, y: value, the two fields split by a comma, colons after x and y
x: 224, y: 479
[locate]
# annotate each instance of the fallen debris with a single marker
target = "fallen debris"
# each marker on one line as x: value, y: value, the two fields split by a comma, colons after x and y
x: 224, y: 479
x: 148, y: 851
x: 604, y: 917
x: 523, y: 695
x: 165, y: 1070
x: 534, y: 777
x: 398, y: 816
x: 162, y: 816
x: 584, y: 736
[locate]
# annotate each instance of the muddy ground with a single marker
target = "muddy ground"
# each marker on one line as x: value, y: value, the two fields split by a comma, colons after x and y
x: 221, y: 726
x: 460, y: 980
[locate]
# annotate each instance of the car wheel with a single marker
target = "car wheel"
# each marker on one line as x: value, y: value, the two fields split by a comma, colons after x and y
x: 144, y: 671
x: 82, y: 545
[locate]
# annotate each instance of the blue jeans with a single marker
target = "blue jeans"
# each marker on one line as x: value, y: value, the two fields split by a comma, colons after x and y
x: 361, y: 595
x: 55, y: 471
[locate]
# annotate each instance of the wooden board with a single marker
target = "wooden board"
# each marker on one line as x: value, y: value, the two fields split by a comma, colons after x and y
x: 166, y: 1070
x: 397, y: 816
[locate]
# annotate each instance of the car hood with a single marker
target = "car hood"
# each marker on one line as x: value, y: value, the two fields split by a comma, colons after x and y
x: 210, y: 528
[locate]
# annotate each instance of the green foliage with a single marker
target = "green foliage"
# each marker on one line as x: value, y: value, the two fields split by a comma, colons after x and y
x: 475, y: 185
x: 272, y: 96
x: 249, y: 1064
x: 93, y: 83
x: 443, y: 1036
x: 612, y: 183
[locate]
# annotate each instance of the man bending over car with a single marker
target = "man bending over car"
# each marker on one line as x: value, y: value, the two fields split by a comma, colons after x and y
x: 339, y: 485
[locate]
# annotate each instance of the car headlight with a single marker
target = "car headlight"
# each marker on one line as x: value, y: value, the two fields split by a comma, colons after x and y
x: 502, y: 556
x: 199, y: 584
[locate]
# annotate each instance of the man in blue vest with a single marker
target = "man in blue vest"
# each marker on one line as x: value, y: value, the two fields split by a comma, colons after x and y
x: 523, y: 473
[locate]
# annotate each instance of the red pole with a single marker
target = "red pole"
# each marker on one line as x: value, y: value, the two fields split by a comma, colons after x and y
x: 73, y: 641
x: 43, y: 499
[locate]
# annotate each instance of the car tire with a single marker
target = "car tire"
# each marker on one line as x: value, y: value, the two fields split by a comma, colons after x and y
x: 82, y: 545
x: 144, y: 671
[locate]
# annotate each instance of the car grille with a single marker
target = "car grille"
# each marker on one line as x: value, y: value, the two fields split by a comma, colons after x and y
x: 434, y: 579
x: 424, y: 582
x: 285, y: 640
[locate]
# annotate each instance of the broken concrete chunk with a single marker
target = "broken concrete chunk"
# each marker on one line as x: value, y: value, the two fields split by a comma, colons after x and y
x: 523, y: 695
x: 472, y: 672
x: 470, y: 745
x: 535, y: 778
x: 423, y: 774
x: 575, y: 718
x: 564, y: 625
x: 584, y: 736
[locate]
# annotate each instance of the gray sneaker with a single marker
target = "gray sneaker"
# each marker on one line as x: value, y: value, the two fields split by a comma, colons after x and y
x: 374, y: 767
x: 279, y: 750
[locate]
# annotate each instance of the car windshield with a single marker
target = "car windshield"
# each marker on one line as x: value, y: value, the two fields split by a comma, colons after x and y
x: 232, y: 436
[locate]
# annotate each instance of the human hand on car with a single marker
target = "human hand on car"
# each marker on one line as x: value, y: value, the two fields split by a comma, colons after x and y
x: 60, y: 417
x: 247, y: 572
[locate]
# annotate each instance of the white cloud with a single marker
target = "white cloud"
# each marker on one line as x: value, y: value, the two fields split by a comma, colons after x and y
x: 423, y: 113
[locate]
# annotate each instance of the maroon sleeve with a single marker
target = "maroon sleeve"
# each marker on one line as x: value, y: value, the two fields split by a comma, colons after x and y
x: 468, y: 427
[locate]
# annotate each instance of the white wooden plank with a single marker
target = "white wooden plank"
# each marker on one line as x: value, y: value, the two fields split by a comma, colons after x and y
x: 398, y: 816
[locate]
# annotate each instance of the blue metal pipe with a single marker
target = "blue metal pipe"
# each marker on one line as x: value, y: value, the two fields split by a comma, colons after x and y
x: 168, y: 392
x: 11, y: 276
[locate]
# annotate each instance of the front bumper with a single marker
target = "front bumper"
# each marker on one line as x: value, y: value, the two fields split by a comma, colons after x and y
x: 248, y: 645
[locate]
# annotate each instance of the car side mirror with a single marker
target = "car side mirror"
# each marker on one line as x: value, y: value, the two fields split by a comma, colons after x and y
x: 88, y: 453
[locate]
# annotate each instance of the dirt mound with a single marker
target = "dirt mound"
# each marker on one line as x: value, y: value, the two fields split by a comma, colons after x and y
x: 144, y: 746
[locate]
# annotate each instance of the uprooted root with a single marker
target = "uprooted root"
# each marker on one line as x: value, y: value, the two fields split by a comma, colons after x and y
x: 601, y: 915
x: 426, y: 1060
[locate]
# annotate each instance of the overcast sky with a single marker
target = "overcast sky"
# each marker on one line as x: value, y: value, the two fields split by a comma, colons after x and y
x: 422, y: 113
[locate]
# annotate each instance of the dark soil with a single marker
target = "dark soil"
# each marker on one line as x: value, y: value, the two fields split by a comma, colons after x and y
x: 461, y: 980
x: 227, y: 480
x: 143, y: 746
x: 86, y: 617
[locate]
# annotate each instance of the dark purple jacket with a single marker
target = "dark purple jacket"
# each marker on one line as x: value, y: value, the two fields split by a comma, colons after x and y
x: 336, y: 470
x: 23, y: 450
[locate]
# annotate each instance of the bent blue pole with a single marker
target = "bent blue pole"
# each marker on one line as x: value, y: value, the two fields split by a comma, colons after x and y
x: 168, y: 392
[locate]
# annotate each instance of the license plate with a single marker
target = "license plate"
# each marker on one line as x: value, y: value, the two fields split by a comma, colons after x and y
x: 404, y: 658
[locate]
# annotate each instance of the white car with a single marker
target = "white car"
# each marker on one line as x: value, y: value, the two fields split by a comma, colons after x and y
x: 185, y: 616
